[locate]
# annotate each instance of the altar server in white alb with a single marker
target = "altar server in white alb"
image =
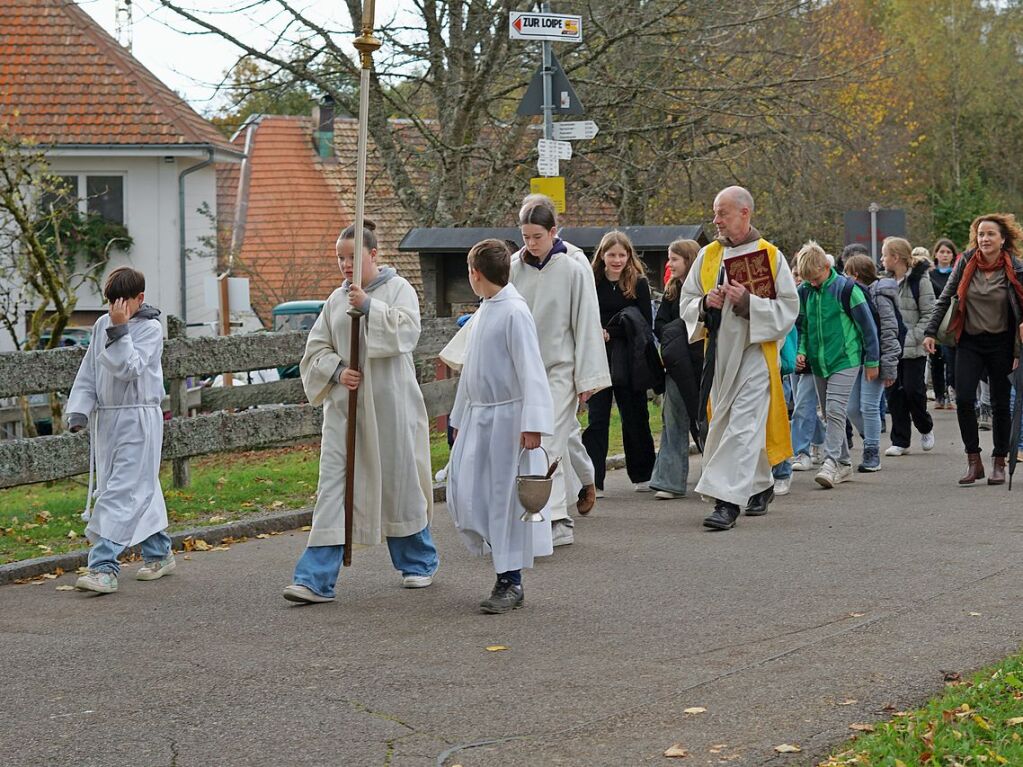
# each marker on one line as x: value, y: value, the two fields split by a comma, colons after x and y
x: 393, y: 489
x: 502, y: 408
x: 559, y: 291
x: 749, y: 426
x: 118, y: 391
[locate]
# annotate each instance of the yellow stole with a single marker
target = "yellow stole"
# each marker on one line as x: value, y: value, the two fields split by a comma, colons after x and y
x: 779, y: 435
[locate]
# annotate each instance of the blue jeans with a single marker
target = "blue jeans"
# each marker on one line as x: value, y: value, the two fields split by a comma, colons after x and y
x: 104, y: 553
x: 865, y: 408
x: 807, y: 427
x: 782, y: 470
x: 318, y: 567
x: 671, y: 469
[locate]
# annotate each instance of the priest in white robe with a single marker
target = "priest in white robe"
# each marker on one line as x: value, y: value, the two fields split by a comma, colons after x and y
x: 749, y: 429
x: 393, y: 498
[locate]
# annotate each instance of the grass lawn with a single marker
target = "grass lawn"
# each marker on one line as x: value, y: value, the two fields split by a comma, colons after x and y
x: 45, y: 519
x: 976, y: 722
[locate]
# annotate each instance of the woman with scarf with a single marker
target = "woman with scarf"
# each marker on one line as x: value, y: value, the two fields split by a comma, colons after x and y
x: 988, y: 283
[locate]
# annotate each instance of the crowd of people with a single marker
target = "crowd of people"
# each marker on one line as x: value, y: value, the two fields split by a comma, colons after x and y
x: 764, y: 365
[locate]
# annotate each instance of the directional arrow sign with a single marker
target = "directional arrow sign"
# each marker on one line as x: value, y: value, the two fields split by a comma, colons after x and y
x: 547, y: 166
x: 559, y: 150
x: 575, y: 131
x: 554, y: 27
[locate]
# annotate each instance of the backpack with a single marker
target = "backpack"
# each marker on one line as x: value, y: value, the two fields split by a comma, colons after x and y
x: 846, y: 298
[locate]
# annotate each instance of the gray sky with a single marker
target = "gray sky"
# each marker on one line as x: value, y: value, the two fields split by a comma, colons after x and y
x: 192, y: 65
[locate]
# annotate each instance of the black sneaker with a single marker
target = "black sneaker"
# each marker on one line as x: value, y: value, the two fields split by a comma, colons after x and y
x: 505, y: 596
x: 724, y: 516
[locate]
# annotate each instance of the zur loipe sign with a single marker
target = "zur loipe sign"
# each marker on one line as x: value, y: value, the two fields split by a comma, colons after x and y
x: 552, y: 27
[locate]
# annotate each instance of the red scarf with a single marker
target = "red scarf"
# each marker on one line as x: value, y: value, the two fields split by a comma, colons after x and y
x: 1005, y: 262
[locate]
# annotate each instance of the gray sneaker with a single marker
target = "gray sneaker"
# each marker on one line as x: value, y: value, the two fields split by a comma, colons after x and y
x: 101, y: 583
x: 157, y: 568
x: 304, y: 595
x: 504, y: 598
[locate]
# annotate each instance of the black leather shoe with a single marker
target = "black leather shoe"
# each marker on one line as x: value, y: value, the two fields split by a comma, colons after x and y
x: 505, y: 596
x: 757, y: 505
x: 724, y: 516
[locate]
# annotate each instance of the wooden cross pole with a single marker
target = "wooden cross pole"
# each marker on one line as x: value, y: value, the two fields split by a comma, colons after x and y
x: 366, y: 44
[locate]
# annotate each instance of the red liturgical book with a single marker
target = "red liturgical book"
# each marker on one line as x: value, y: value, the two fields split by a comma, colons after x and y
x: 752, y: 271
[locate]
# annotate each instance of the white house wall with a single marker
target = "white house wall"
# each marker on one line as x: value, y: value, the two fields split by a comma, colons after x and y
x: 151, y: 216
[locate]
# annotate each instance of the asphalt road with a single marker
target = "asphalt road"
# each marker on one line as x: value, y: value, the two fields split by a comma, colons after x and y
x: 868, y: 592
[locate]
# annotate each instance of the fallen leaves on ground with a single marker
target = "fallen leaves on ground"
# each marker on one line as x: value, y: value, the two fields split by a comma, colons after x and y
x: 861, y: 727
x: 847, y: 702
x: 788, y: 748
x: 65, y: 587
x: 695, y: 710
x: 676, y: 751
x: 496, y: 647
x: 195, y: 544
x: 1015, y: 720
x: 43, y: 517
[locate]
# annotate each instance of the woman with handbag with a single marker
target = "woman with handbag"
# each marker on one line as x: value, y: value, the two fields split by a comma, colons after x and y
x: 980, y: 310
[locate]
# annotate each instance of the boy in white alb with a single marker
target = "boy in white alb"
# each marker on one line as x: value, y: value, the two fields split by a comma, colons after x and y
x: 119, y: 387
x: 502, y: 407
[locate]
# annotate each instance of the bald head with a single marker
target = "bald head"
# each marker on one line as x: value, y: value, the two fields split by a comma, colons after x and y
x: 733, y: 208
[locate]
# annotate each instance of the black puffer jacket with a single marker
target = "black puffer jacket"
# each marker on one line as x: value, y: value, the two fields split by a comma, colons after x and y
x: 634, y: 361
x: 683, y: 361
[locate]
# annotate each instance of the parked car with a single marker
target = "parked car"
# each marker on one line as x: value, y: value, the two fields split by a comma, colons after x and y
x: 294, y: 315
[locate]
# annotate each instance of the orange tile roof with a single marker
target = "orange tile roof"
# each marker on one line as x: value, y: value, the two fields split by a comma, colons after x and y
x: 292, y: 216
x: 64, y: 80
x: 295, y: 206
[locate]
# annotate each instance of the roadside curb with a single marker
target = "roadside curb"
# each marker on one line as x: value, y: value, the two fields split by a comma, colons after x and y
x: 248, y: 527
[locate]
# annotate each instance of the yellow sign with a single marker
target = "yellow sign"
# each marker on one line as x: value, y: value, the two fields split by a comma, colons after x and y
x: 553, y: 187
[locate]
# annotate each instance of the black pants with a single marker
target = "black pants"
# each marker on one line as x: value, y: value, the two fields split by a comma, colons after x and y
x: 907, y: 401
x: 989, y: 353
x: 943, y: 371
x: 636, y: 437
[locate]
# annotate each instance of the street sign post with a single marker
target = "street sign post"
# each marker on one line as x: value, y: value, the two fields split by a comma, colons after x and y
x: 553, y: 27
x: 575, y: 131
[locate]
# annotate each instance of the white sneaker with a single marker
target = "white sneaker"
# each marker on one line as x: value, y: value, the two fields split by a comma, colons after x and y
x: 782, y: 486
x: 641, y: 487
x: 665, y: 495
x: 158, y: 568
x: 895, y: 451
x: 927, y: 441
x: 600, y: 492
x: 416, y: 581
x: 844, y: 473
x: 303, y: 594
x: 827, y: 476
x: 441, y: 475
x: 561, y: 530
x: 802, y: 462
x: 101, y: 583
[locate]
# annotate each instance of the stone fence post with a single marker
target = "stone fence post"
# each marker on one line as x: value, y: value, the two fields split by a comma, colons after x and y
x: 178, y: 391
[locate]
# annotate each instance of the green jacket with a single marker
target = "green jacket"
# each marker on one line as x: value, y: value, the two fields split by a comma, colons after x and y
x: 829, y: 337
